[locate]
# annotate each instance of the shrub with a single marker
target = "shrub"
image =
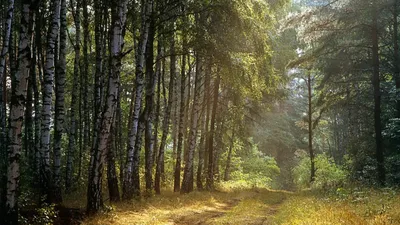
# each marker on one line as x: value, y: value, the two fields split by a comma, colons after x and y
x: 327, y: 175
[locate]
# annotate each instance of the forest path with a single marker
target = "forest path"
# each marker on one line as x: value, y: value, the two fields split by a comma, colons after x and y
x: 246, y: 206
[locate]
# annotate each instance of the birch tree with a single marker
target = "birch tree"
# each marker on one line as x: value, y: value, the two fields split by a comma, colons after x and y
x: 3, y: 55
x: 98, y: 153
x: 48, y: 79
x: 18, y: 97
x: 133, y: 131
x: 188, y: 175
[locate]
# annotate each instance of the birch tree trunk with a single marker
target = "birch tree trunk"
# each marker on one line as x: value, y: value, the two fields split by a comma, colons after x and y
x: 98, y: 153
x: 98, y: 17
x: 47, y: 100
x: 136, y: 158
x: 3, y: 54
x: 59, y: 105
x: 18, y: 97
x: 112, y: 179
x: 187, y: 182
x: 178, y: 162
x: 128, y: 190
x: 36, y: 81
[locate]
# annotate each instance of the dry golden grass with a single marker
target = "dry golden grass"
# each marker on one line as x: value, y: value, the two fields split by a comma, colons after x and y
x: 258, y: 206
x: 232, y: 207
x: 366, y: 207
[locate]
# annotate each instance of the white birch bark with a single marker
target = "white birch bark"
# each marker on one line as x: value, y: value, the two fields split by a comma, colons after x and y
x: 48, y: 80
x: 3, y: 54
x: 95, y: 201
x: 19, y: 92
x: 146, y: 12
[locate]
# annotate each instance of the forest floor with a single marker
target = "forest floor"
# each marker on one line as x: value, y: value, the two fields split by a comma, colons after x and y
x: 258, y: 206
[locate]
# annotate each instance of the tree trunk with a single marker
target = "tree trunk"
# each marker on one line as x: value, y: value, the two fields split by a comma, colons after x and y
x: 157, y: 112
x: 18, y: 96
x: 36, y: 84
x: 178, y: 162
x: 128, y: 190
x: 6, y: 38
x: 3, y: 54
x: 202, y: 121
x: 85, y: 75
x: 229, y: 159
x: 59, y: 105
x: 98, y: 76
x: 151, y: 80
x: 310, y: 128
x: 98, y: 154
x: 136, y: 158
x: 210, y: 172
x: 396, y: 56
x: 74, y: 99
x: 112, y: 179
x: 207, y: 97
x: 187, y: 182
x: 48, y: 79
x: 377, y: 96
x: 166, y: 121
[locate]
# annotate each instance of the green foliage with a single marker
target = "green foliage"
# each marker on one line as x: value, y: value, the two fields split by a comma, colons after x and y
x: 45, y: 215
x: 328, y: 174
x: 255, y: 169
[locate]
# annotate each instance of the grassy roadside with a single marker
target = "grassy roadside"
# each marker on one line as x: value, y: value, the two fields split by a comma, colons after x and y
x: 347, y: 207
